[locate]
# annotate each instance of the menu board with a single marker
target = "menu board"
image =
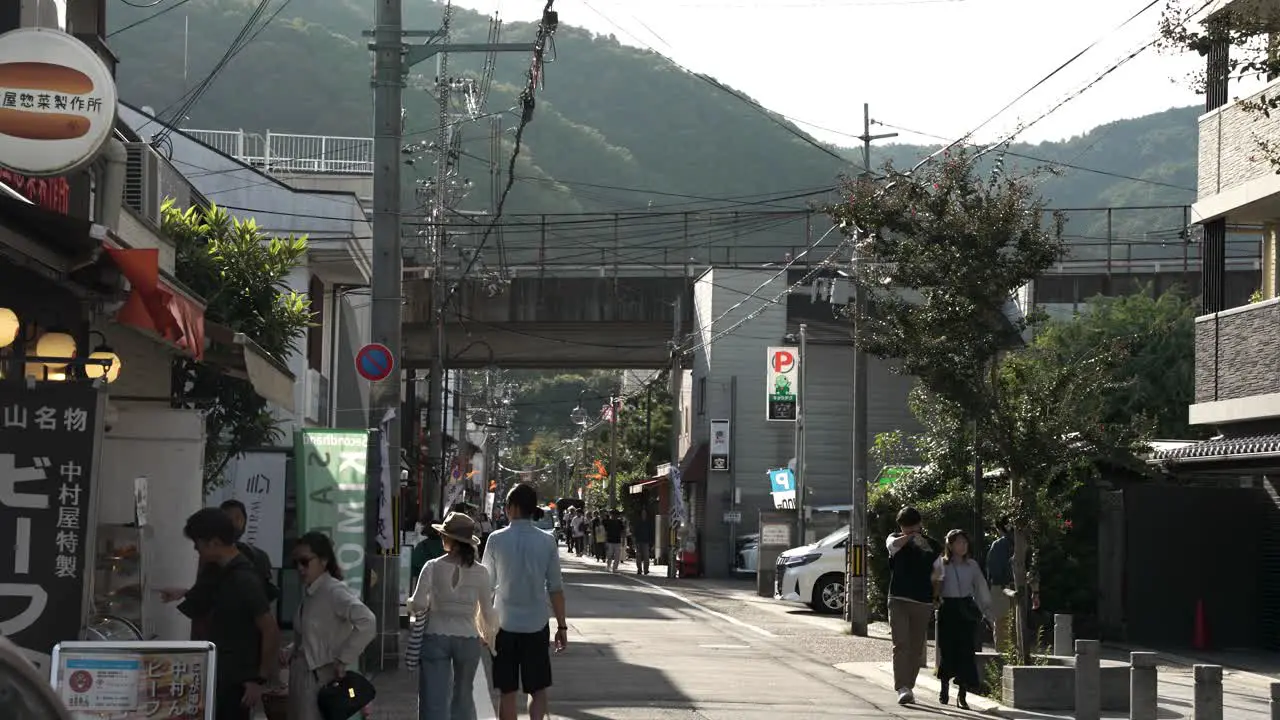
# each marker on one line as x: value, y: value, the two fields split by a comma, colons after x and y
x: 135, y: 680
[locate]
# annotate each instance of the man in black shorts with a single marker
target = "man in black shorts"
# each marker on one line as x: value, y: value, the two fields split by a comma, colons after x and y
x: 524, y: 565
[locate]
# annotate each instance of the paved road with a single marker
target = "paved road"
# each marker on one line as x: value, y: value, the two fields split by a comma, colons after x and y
x: 639, y: 651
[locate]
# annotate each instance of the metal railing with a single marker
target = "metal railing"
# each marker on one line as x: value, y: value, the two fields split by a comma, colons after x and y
x: 292, y: 153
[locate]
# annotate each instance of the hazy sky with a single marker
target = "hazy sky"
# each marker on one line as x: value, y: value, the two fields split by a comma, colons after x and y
x: 936, y: 66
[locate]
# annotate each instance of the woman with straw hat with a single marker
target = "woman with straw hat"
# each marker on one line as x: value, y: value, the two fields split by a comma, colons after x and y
x: 455, y: 594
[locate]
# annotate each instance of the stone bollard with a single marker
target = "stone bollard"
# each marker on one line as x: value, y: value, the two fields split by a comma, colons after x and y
x: 1275, y: 701
x: 1088, y: 680
x: 1208, y: 693
x: 1063, y: 636
x: 1143, y: 686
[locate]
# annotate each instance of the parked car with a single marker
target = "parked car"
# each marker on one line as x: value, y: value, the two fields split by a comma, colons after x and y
x: 814, y: 574
x: 748, y: 553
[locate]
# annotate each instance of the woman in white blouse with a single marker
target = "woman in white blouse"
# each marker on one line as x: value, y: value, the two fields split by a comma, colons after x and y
x: 457, y: 597
x: 963, y: 601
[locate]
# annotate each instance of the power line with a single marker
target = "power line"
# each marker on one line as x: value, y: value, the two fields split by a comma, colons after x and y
x: 1055, y: 163
x: 177, y: 4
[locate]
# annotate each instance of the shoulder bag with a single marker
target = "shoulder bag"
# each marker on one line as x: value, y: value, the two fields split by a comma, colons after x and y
x: 417, y: 631
x: 969, y: 609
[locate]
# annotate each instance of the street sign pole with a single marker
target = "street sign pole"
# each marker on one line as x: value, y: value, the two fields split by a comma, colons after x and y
x: 802, y: 363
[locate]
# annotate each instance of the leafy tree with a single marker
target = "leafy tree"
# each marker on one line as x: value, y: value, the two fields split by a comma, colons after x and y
x: 1154, y: 338
x: 942, y: 252
x: 1247, y: 30
x: 240, y: 272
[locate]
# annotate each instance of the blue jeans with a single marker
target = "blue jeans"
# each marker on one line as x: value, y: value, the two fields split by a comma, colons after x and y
x: 446, y: 676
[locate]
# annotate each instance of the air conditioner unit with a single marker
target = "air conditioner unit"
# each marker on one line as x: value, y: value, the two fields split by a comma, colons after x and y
x: 149, y: 180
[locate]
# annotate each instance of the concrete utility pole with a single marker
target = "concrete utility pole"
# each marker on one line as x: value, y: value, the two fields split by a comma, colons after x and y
x: 392, y: 61
x: 856, y: 586
x: 613, y: 453
x: 802, y: 362
x: 673, y: 384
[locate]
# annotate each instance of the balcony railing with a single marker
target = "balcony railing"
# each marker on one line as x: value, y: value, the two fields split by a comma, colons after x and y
x: 1238, y: 352
x: 287, y: 153
x: 1229, y: 152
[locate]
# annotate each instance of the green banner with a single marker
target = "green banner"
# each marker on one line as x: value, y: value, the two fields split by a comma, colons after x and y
x: 332, y: 478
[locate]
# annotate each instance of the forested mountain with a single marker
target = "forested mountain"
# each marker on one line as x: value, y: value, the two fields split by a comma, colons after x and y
x: 615, y: 128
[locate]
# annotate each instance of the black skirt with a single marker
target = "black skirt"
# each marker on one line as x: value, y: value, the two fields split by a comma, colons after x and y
x: 956, y: 633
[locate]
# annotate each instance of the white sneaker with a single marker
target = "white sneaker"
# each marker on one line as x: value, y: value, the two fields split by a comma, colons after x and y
x: 906, y: 697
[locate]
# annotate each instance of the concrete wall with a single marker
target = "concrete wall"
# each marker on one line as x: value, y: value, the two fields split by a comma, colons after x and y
x: 1238, y: 352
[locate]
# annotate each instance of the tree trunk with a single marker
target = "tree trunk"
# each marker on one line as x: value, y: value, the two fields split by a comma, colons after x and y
x: 1021, y: 604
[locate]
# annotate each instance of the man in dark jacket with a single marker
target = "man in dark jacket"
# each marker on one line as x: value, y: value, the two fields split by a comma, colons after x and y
x: 261, y: 560
x: 642, y: 533
x: 911, y: 598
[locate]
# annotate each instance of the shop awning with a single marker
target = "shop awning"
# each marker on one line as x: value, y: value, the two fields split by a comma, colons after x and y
x: 62, y: 247
x: 239, y: 356
x: 693, y: 469
x: 156, y: 305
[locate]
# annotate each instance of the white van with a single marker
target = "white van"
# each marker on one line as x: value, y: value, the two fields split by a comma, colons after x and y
x: 814, y: 574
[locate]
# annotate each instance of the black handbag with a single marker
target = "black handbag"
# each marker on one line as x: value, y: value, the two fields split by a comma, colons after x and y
x: 345, y: 696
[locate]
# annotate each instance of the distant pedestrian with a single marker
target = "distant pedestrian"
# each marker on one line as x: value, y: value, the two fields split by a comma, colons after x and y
x: 331, y: 627
x: 1000, y: 579
x: 599, y: 537
x: 614, y: 534
x: 911, y: 597
x: 524, y: 564
x: 577, y: 524
x: 965, y: 604
x: 428, y: 548
x: 642, y: 535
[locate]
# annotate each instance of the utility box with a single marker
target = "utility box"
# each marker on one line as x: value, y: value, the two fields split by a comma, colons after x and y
x: 777, y: 534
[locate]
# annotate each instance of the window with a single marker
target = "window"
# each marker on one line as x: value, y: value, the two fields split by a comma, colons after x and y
x: 315, y: 333
x: 702, y: 396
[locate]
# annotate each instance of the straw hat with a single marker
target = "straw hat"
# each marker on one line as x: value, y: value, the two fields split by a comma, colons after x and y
x: 460, y: 527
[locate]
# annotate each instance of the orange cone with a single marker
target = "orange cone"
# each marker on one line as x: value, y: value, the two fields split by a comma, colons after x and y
x: 1200, y: 635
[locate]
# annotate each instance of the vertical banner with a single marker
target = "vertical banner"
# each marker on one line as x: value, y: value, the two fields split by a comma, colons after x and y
x: 782, y: 383
x: 48, y: 447
x: 720, y: 445
x: 332, y: 473
x: 677, y: 497
x: 257, y: 478
x: 385, y: 531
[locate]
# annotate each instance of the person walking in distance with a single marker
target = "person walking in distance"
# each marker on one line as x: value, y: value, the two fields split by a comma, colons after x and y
x: 240, y: 623
x: 524, y: 567
x: 577, y: 524
x: 911, y: 596
x: 614, y: 533
x: 1000, y: 578
x: 642, y: 533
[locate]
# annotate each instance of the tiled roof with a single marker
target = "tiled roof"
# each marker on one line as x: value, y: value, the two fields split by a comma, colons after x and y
x: 1225, y: 447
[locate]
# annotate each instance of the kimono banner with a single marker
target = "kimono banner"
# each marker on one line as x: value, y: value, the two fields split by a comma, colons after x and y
x: 332, y: 475
x: 48, y: 449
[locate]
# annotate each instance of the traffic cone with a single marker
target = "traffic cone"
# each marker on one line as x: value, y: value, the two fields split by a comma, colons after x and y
x: 1200, y: 634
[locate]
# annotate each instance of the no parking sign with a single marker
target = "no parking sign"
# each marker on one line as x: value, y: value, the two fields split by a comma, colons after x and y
x: 375, y: 362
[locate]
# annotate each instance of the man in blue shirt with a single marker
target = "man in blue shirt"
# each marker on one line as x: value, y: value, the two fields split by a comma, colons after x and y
x: 524, y: 565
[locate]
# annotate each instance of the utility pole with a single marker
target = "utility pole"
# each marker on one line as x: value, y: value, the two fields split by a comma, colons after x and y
x: 613, y: 453
x: 385, y: 290
x: 392, y: 61
x: 856, y: 586
x: 673, y: 383
x: 802, y: 361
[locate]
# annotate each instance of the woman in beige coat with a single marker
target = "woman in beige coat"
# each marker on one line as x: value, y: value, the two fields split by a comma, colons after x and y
x: 331, y: 629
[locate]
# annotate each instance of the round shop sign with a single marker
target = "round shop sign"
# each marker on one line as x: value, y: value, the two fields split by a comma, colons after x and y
x: 57, y: 102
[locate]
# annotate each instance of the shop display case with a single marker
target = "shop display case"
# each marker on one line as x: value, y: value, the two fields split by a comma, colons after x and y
x: 120, y: 583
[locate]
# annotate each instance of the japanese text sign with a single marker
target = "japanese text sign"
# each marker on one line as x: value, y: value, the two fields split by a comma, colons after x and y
x: 48, y: 447
x: 332, y: 468
x: 135, y: 680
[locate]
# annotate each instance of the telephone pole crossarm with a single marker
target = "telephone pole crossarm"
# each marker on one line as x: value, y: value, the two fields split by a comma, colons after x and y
x: 419, y: 53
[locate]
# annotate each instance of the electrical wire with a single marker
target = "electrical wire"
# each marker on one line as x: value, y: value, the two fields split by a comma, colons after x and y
x: 527, y: 103
x: 176, y: 4
x: 143, y: 6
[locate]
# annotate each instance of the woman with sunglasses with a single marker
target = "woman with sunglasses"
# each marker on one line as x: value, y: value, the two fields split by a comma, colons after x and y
x: 331, y: 628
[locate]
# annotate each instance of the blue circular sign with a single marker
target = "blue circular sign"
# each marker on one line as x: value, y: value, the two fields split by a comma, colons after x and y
x: 375, y: 362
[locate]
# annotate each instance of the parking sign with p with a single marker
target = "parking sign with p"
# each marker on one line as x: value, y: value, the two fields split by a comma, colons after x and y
x: 782, y: 383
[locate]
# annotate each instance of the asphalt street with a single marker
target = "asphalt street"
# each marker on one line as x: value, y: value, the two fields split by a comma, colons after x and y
x: 639, y: 650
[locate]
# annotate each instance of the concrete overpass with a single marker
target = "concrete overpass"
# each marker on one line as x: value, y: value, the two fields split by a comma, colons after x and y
x: 601, y: 290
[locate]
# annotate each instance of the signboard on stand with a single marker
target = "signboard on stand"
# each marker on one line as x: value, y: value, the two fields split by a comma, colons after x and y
x: 720, y: 445
x: 332, y: 468
x: 135, y: 680
x: 48, y: 449
x: 257, y: 478
x: 782, y: 383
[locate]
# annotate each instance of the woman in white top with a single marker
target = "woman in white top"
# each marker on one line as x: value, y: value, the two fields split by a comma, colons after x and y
x: 961, y: 590
x: 456, y: 595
